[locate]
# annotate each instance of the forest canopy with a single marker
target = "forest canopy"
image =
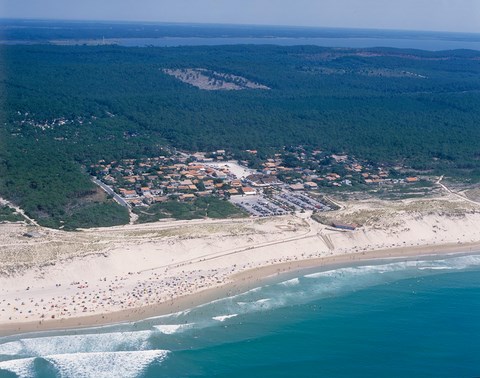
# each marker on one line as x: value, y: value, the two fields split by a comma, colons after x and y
x: 65, y: 107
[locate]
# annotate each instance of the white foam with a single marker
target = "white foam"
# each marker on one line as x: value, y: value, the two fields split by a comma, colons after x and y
x: 254, y: 290
x: 365, y: 270
x: 170, y: 329
x: 22, y: 368
x: 222, y: 318
x: 315, y: 275
x: 103, y: 342
x: 12, y: 348
x: 453, y: 263
x: 292, y: 282
x: 463, y: 262
x: 262, y: 304
x: 173, y: 315
x: 105, y: 365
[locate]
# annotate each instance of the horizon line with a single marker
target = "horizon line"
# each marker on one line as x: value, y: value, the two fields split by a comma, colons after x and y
x: 231, y: 24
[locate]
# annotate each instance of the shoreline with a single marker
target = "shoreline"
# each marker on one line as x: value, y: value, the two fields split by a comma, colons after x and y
x: 238, y: 283
x: 96, y: 277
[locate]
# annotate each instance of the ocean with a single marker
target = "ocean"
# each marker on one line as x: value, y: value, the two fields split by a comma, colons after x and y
x: 388, y: 319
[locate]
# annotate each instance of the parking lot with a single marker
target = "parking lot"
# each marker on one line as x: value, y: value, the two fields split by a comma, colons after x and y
x: 258, y: 206
x: 279, y: 204
x: 300, y: 201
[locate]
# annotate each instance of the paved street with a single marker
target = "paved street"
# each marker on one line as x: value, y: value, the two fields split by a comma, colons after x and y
x: 110, y: 191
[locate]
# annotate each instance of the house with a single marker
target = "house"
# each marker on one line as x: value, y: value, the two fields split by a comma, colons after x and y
x: 263, y: 180
x: 208, y: 185
x: 200, y: 156
x: 128, y: 193
x: 311, y: 185
x: 249, y: 191
x: 340, y: 158
x: 357, y: 167
x: 136, y: 202
x: 220, y: 175
x: 233, y: 192
x: 236, y: 184
x: 333, y: 176
x: 131, y: 179
x: 411, y: 179
x: 296, y: 187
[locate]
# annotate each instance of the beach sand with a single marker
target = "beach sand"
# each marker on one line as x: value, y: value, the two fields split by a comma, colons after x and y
x: 100, y: 276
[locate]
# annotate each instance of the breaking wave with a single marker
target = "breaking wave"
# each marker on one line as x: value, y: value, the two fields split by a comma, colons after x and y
x: 170, y: 329
x: 222, y: 318
x: 89, y: 343
x: 105, y: 365
x: 86, y: 365
x: 125, y: 350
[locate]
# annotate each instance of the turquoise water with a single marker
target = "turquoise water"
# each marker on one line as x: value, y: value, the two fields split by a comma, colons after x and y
x: 395, y: 319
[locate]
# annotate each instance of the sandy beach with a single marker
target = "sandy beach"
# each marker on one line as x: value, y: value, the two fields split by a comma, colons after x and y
x: 91, y: 277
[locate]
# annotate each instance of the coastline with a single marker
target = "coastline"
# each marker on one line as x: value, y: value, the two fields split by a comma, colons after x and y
x: 240, y: 283
x: 101, y: 277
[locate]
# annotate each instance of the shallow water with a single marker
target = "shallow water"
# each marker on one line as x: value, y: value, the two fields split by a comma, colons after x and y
x: 415, y: 318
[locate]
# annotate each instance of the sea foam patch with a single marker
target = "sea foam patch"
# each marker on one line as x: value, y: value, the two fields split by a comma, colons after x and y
x: 23, y: 368
x: 167, y: 316
x: 103, y: 342
x: 222, y: 318
x: 170, y: 329
x: 260, y: 304
x: 292, y: 282
x: 106, y: 365
x: 451, y: 263
x: 12, y: 348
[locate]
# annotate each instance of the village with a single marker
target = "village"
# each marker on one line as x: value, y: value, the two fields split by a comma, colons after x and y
x: 292, y: 181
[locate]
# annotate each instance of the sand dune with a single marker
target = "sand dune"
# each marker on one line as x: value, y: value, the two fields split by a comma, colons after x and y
x: 98, y: 276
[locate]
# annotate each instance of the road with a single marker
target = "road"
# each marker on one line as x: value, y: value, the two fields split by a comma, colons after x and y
x: 439, y: 182
x: 110, y: 191
x: 18, y: 210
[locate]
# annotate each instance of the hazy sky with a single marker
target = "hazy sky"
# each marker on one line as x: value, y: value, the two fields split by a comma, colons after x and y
x: 445, y: 15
